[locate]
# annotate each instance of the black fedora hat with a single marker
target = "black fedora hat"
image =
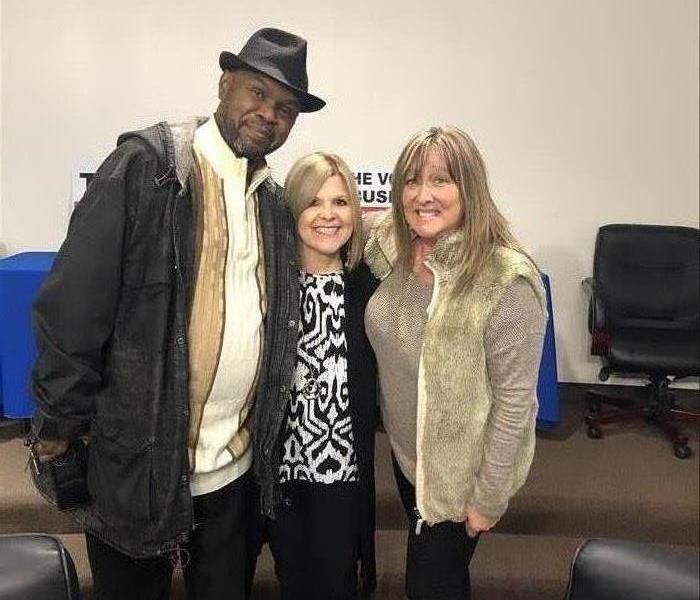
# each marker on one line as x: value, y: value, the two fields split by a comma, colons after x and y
x: 280, y: 55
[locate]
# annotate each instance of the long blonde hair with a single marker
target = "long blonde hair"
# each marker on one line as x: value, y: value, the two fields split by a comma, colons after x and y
x: 305, y: 179
x: 484, y: 227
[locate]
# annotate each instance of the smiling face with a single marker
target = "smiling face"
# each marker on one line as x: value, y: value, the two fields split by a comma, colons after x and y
x: 324, y: 227
x: 255, y: 113
x: 430, y: 198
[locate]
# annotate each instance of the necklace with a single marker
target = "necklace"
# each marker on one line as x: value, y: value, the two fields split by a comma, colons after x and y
x: 311, y: 389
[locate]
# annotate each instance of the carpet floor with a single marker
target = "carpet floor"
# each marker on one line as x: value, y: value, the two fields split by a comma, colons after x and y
x: 627, y: 484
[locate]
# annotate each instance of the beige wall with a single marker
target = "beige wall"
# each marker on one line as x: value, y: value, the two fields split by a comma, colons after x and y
x: 586, y: 111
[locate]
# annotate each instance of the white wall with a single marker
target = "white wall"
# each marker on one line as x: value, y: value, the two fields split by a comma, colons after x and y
x: 586, y: 111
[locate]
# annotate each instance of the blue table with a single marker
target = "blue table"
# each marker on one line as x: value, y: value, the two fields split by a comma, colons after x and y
x: 20, y: 278
x: 547, y: 392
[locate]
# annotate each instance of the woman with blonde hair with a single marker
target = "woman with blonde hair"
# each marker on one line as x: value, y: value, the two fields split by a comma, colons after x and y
x: 457, y: 325
x: 324, y: 519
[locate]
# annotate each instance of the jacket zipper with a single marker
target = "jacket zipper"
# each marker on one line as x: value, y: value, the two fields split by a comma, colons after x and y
x: 419, y: 409
x: 419, y: 520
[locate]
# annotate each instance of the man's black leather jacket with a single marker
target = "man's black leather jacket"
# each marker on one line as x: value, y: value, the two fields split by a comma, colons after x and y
x: 111, y: 326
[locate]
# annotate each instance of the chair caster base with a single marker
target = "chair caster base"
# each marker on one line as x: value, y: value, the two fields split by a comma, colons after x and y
x: 682, y: 452
x: 594, y: 432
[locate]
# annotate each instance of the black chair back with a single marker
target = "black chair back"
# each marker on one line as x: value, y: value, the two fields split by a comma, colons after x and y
x: 36, y: 566
x: 648, y: 276
x: 607, y: 569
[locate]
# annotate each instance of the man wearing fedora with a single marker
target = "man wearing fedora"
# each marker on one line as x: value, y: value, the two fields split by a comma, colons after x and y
x: 172, y: 305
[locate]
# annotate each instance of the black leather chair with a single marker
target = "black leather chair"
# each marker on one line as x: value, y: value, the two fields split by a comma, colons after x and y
x: 644, y: 319
x: 36, y: 566
x: 606, y: 569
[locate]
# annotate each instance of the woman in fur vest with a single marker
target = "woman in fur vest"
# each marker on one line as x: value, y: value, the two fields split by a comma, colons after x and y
x: 457, y: 326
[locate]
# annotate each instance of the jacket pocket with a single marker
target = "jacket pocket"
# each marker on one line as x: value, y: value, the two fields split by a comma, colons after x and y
x: 120, y: 482
x: 139, y: 273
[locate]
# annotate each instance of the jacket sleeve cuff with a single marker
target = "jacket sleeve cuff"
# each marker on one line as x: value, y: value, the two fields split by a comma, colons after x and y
x: 490, y: 505
x: 46, y: 427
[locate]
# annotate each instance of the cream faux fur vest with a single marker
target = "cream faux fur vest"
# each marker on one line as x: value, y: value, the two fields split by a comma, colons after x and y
x: 454, y: 393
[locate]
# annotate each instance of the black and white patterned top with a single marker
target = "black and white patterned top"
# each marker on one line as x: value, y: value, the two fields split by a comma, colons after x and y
x: 318, y: 442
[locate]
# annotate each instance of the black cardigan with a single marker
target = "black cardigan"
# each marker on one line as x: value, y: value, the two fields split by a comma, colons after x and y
x: 362, y: 390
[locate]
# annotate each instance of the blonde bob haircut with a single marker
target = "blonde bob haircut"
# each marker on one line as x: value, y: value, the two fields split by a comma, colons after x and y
x: 303, y: 182
x: 484, y: 227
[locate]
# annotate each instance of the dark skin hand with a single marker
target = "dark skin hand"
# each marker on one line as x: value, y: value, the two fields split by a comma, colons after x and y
x: 46, y: 450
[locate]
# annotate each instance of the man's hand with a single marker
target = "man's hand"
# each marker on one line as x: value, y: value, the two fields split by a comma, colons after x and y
x: 46, y: 450
x: 475, y: 522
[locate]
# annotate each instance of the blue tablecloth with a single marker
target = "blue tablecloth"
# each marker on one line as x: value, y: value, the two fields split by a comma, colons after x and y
x: 22, y: 274
x: 20, y: 278
x: 547, y: 393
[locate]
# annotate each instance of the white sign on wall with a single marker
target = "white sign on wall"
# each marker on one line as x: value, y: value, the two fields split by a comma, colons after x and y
x: 79, y: 182
x: 374, y: 188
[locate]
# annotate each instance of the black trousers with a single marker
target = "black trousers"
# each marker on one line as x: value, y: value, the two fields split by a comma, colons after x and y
x: 314, y: 540
x: 216, y: 564
x: 437, y: 560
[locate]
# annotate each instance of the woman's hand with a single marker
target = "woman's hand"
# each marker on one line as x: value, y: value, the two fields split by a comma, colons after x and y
x: 475, y: 522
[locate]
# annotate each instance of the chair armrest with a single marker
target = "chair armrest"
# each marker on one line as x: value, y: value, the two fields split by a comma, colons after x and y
x: 596, y: 316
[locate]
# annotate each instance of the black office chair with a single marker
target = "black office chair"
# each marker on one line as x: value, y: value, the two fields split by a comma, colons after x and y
x: 607, y: 569
x: 36, y: 566
x: 644, y: 318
